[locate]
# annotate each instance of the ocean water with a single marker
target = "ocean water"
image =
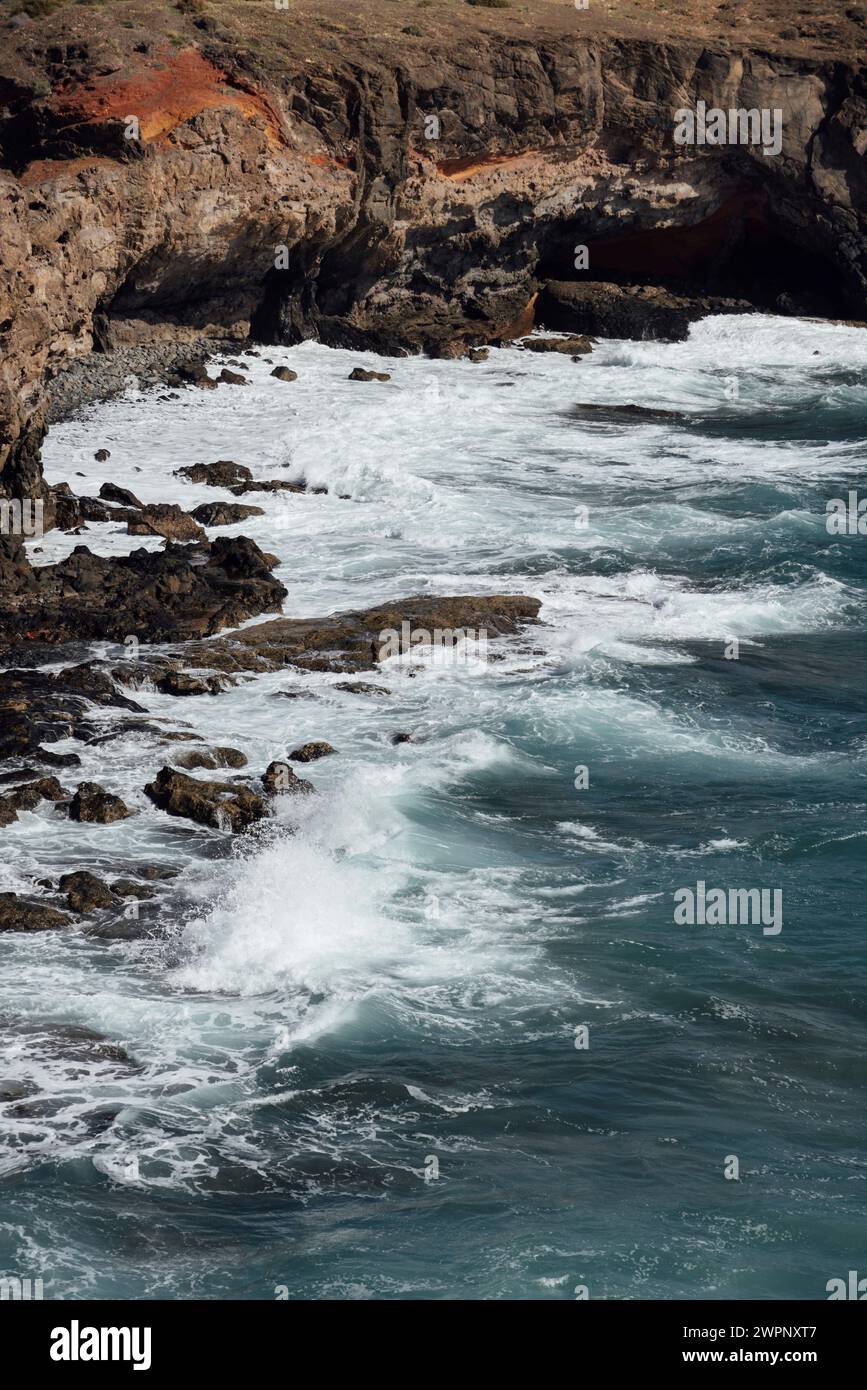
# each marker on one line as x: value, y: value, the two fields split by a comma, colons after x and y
x: 341, y: 1055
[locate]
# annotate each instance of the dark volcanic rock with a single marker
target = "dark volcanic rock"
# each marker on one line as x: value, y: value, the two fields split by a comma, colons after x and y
x: 161, y: 596
x: 224, y: 513
x: 128, y: 888
x: 110, y: 492
x: 84, y: 891
x: 285, y: 374
x: 222, y: 805
x: 576, y: 346
x: 232, y: 378
x: 39, y: 707
x: 210, y: 758
x: 220, y: 474
x: 361, y: 374
x: 361, y: 688
x: 181, y: 683
x: 102, y: 455
x: 309, y: 752
x: 94, y: 804
x: 352, y: 642
x: 17, y: 914
x: 279, y: 779
x: 167, y: 520
x: 633, y: 311
x: 28, y: 796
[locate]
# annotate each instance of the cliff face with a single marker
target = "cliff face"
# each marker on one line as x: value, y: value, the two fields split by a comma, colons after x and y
x: 392, y: 190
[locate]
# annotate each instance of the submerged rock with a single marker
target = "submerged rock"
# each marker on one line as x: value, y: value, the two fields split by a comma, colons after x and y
x: 221, y: 805
x: 92, y: 803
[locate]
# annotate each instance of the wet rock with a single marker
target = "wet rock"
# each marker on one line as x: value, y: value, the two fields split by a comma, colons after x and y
x: 17, y: 914
x: 361, y: 374
x: 605, y: 310
x: 361, y: 688
x: 93, y: 804
x: 181, y: 683
x: 167, y: 595
x: 102, y: 455
x: 210, y: 758
x: 285, y: 374
x: 194, y: 373
x: 478, y: 354
x: 28, y: 796
x: 85, y: 892
x: 279, y: 779
x: 167, y: 520
x: 578, y: 346
x: 223, y: 473
x: 221, y: 805
x: 110, y: 492
x: 402, y: 737
x: 232, y: 378
x: 309, y: 752
x: 269, y: 485
x: 128, y: 888
x: 352, y: 642
x: 8, y: 812
x: 38, y: 706
x: 224, y: 513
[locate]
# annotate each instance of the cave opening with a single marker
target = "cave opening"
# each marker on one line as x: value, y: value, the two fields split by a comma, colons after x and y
x: 743, y: 251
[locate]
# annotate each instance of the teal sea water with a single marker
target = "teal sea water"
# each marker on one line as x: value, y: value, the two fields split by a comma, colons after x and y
x: 340, y: 1059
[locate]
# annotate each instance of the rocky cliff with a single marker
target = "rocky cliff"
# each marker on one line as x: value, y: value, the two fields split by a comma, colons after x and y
x: 404, y: 175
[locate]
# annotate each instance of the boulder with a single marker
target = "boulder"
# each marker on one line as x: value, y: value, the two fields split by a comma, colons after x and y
x: 220, y: 474
x: 221, y: 805
x: 309, y: 752
x: 224, y: 513
x: 361, y: 374
x: 84, y: 891
x: 210, y: 758
x: 576, y: 346
x: 284, y: 374
x: 232, y: 378
x: 167, y: 520
x: 110, y: 492
x: 279, y: 779
x: 92, y: 803
x: 128, y: 888
x: 17, y: 914
x: 102, y: 455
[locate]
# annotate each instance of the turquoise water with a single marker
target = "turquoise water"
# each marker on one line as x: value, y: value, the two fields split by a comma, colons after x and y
x: 350, y: 1061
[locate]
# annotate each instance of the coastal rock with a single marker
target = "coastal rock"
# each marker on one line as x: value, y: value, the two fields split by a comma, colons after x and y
x: 309, y: 752
x: 159, y: 596
x: 94, y: 804
x: 39, y: 707
x: 17, y: 914
x: 232, y: 378
x: 221, y: 805
x: 576, y: 346
x: 223, y: 473
x: 28, y: 796
x: 181, y: 683
x: 361, y: 374
x: 110, y: 492
x: 84, y: 891
x: 210, y: 758
x: 224, y: 513
x: 625, y: 311
x: 167, y: 520
x: 102, y: 455
x: 128, y: 888
x: 285, y: 374
x: 279, y: 779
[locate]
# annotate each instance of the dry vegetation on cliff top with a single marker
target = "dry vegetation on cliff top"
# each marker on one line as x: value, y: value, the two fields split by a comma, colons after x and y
x: 113, y: 29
